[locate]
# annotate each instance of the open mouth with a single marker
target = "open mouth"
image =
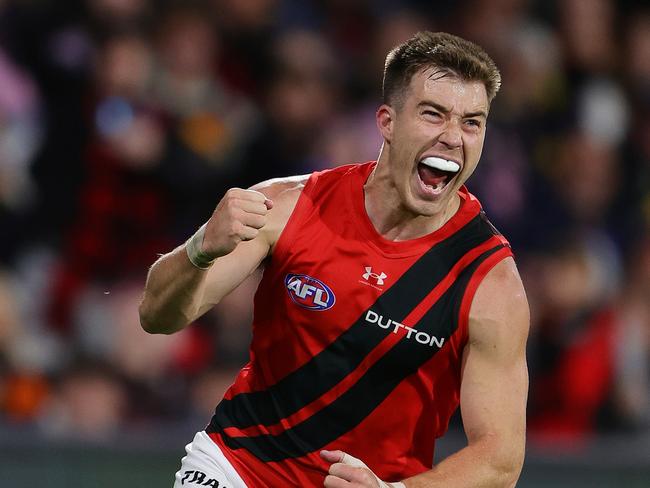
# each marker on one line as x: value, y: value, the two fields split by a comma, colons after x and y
x: 436, y: 173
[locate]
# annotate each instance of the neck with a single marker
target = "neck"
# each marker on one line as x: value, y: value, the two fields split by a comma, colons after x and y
x: 388, y: 214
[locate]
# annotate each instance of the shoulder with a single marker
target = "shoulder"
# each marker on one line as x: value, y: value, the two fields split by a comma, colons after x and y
x: 282, y: 189
x: 284, y: 193
x: 499, y: 313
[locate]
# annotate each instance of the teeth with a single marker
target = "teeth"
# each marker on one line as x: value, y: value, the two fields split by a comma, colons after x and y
x: 439, y: 186
x: 441, y: 164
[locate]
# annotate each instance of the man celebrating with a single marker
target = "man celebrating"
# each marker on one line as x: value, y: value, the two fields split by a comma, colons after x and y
x: 387, y: 300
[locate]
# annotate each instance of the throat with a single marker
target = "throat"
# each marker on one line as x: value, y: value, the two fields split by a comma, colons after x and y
x: 391, y: 217
x: 395, y: 222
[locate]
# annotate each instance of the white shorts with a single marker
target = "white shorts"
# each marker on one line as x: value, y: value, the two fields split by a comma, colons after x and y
x: 205, y: 465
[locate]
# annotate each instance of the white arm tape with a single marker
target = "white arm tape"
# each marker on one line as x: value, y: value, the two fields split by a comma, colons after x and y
x: 194, y: 253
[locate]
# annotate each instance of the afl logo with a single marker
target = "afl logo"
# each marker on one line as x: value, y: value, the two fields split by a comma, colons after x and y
x: 309, y: 292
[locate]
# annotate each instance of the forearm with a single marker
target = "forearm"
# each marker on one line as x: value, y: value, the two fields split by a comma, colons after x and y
x: 173, y: 293
x: 481, y: 464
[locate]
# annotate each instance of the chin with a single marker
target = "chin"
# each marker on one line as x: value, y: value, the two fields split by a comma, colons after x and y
x: 428, y: 206
x: 425, y: 208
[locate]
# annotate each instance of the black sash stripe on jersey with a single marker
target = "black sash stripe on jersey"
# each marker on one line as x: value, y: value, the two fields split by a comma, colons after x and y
x: 347, y: 411
x: 332, y: 364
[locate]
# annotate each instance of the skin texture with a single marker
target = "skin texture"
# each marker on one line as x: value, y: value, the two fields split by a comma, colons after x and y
x: 240, y: 233
x: 439, y: 115
x: 437, y: 118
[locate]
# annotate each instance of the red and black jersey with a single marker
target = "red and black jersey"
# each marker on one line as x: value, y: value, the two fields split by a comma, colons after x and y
x: 357, y: 340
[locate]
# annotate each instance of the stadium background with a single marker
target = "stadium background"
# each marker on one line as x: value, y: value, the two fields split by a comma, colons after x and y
x: 122, y: 122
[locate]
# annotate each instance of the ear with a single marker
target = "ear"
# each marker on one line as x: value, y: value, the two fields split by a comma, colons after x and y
x: 385, y: 117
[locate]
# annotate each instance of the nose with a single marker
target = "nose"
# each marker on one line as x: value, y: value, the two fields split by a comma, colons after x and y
x: 451, y: 135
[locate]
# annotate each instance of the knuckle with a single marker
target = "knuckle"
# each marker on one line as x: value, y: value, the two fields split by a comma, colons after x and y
x: 254, y: 220
x: 231, y: 204
x: 332, y: 481
x: 236, y: 213
x: 236, y: 228
x: 229, y: 196
x: 256, y: 195
x: 366, y: 476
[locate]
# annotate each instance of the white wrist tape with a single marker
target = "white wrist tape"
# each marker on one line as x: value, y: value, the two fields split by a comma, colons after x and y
x: 358, y: 463
x: 194, y: 253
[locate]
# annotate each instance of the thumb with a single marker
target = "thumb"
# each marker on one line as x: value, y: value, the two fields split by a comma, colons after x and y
x: 352, y: 461
x: 342, y: 457
x: 332, y: 456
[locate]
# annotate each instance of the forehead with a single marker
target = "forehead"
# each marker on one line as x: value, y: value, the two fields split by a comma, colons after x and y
x: 446, y: 88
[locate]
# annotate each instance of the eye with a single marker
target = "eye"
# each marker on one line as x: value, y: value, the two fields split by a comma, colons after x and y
x: 473, y: 123
x: 431, y: 113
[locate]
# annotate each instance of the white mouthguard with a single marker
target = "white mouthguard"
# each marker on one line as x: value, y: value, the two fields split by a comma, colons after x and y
x: 441, y: 164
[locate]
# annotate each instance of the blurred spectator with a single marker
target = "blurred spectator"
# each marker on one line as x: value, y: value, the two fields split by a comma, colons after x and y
x: 118, y: 13
x: 301, y: 99
x: 121, y: 219
x: 632, y: 354
x: 209, y: 124
x: 20, y: 138
x: 588, y: 27
x: 246, y: 31
x: 573, y: 348
x: 638, y: 48
x: 352, y: 135
x: 19, y: 132
x: 9, y: 314
x: 234, y: 315
x: 208, y: 389
x: 88, y: 403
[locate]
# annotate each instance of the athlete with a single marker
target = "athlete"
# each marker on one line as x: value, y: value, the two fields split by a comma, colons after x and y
x: 387, y: 300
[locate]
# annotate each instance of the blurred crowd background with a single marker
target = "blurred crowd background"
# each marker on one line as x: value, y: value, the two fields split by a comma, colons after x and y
x: 122, y: 123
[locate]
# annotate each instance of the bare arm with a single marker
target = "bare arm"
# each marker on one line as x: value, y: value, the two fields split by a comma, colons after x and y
x: 240, y: 234
x: 494, y: 389
x: 493, y: 396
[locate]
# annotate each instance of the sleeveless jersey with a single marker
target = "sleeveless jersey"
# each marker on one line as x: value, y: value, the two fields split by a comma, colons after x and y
x: 357, y: 340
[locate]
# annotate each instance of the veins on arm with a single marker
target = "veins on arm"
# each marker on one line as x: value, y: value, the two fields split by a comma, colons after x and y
x: 494, y: 385
x: 494, y: 388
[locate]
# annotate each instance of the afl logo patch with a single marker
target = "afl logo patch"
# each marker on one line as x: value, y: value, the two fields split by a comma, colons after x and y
x: 309, y: 292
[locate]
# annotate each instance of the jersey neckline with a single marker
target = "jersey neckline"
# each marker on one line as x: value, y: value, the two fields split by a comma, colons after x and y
x: 469, y: 207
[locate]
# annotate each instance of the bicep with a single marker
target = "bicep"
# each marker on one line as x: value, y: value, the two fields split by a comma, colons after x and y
x: 494, y: 375
x: 493, y: 396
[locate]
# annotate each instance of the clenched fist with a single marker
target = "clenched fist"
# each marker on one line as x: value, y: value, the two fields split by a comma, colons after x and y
x: 238, y: 217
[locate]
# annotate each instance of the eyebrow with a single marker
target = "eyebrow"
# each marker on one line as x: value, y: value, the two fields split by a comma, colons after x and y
x: 446, y: 110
